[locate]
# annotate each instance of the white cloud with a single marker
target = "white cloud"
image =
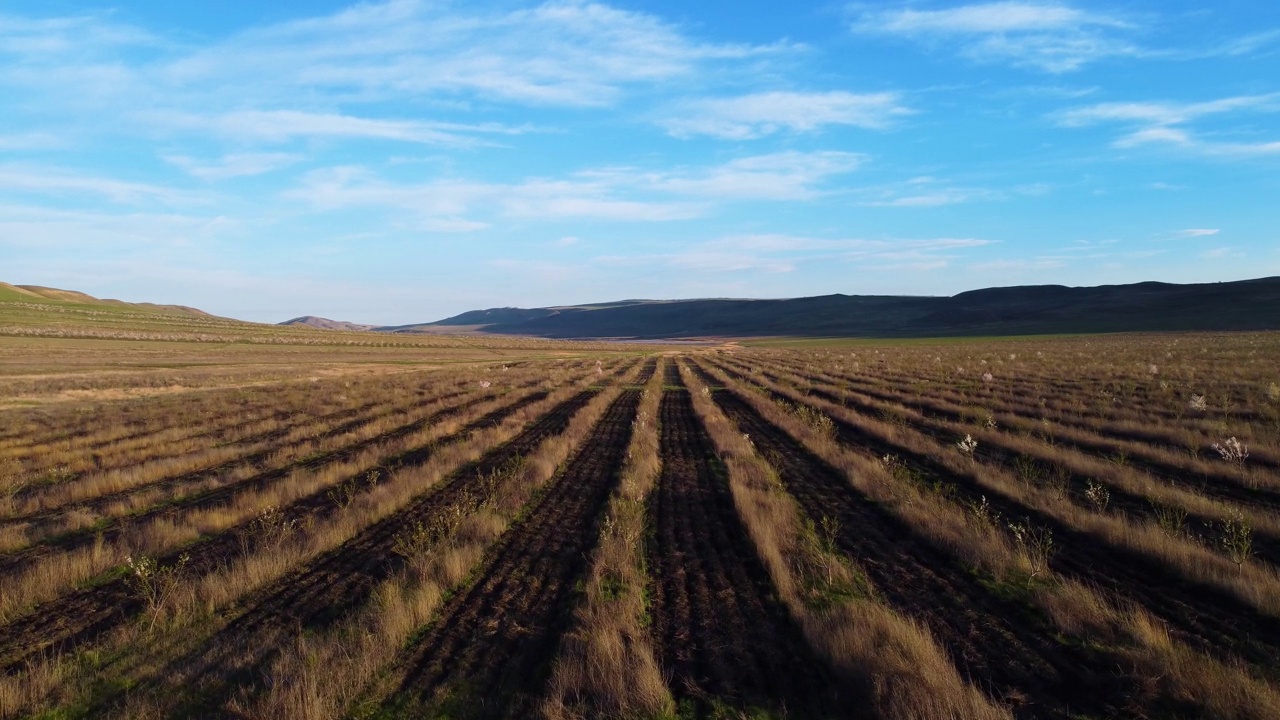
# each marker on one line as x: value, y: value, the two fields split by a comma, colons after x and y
x: 786, y: 252
x: 776, y: 176
x: 447, y: 203
x: 56, y: 181
x: 1164, y: 123
x: 946, y: 196
x: 1197, y: 232
x: 278, y: 126
x: 87, y: 233
x: 1048, y: 36
x: 1046, y: 263
x: 761, y: 114
x: 1163, y: 114
x: 704, y: 261
x: 233, y: 165
x: 558, y: 53
x: 1249, y: 44
x: 30, y: 141
x: 619, y: 194
x: 927, y: 191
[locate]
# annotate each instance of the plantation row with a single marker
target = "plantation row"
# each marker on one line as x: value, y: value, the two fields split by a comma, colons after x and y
x: 701, y: 536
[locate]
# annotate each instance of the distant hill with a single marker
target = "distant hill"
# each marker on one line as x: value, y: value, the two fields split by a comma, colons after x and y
x: 39, y: 293
x: 1035, y: 309
x: 326, y: 324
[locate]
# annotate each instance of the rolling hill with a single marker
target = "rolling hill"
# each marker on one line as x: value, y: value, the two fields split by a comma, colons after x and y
x: 41, y: 294
x: 1027, y: 310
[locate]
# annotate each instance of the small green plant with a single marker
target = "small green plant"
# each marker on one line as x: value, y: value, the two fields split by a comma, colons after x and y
x: 343, y: 494
x: 415, y: 544
x: 1027, y: 469
x: 1172, y: 520
x: 56, y: 475
x: 1237, y: 539
x: 12, y: 479
x: 155, y: 584
x: 982, y: 514
x: 1036, y: 544
x: 816, y: 420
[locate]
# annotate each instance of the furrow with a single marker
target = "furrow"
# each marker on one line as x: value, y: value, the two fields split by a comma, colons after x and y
x: 713, y: 605
x: 490, y: 647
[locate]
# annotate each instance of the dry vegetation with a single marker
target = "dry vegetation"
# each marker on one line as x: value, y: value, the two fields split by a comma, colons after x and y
x: 289, y: 526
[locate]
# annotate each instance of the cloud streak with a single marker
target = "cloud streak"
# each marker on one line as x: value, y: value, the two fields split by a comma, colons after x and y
x: 759, y: 115
x: 1052, y: 37
x: 1165, y: 123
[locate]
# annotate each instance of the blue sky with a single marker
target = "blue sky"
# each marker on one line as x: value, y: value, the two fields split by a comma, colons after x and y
x: 403, y: 161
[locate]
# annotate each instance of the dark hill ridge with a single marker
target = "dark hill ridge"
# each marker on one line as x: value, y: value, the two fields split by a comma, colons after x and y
x: 1035, y: 309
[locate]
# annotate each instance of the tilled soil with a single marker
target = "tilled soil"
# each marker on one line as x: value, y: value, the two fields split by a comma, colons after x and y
x: 191, y: 479
x: 997, y: 644
x: 488, y: 653
x: 1205, y: 617
x: 85, y: 614
x: 720, y: 634
x: 16, y: 562
x: 326, y: 589
x: 1223, y: 486
x: 1266, y: 547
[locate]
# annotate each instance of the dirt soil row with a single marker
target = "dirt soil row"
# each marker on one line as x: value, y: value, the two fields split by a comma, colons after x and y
x: 720, y: 633
x: 487, y: 655
x: 1202, y: 527
x: 1205, y: 617
x: 84, y: 614
x: 998, y: 644
x: 324, y: 590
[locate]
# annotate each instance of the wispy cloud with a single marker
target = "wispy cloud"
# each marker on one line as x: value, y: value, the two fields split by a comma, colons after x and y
x: 761, y: 114
x: 1249, y: 44
x: 234, y: 165
x: 1165, y: 113
x: 559, y: 53
x: 785, y: 252
x: 58, y: 181
x: 1165, y: 123
x: 30, y: 142
x: 444, y: 206
x: 278, y: 126
x: 1048, y: 36
x: 622, y: 194
x: 1197, y: 232
x: 927, y: 191
x: 776, y: 176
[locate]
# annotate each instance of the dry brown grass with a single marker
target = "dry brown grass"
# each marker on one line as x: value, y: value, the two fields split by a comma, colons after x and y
x: 60, y: 570
x: 1254, y: 583
x: 1216, y: 688
x: 606, y: 665
x: 195, y: 610
x: 322, y: 675
x: 906, y: 673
